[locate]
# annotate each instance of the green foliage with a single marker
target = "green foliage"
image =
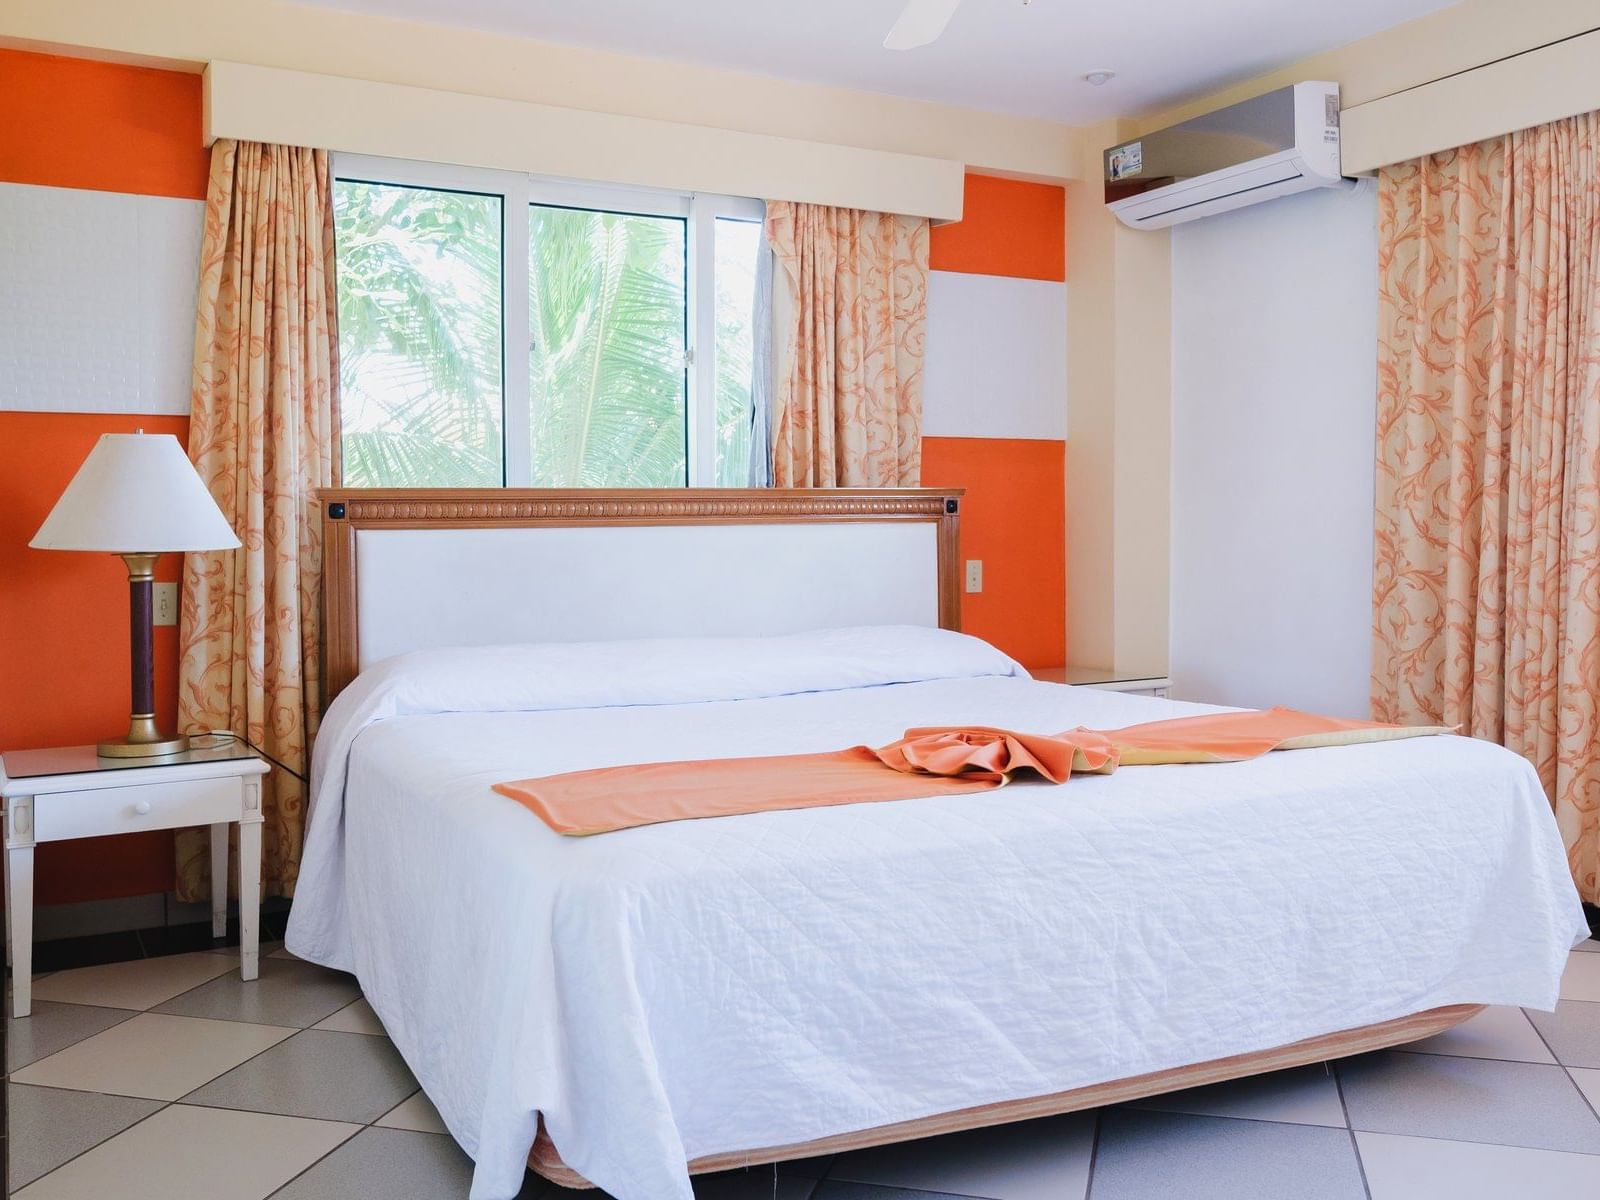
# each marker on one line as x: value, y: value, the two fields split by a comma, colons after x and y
x: 606, y: 308
x: 420, y: 286
x: 419, y: 336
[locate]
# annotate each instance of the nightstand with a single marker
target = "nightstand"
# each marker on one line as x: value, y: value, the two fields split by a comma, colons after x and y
x: 53, y: 795
x: 1135, y: 683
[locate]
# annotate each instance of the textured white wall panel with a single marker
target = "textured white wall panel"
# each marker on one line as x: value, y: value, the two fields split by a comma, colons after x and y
x: 996, y: 362
x: 97, y: 294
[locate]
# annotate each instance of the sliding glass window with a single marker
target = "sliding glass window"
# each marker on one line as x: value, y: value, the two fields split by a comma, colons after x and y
x: 638, y: 311
x: 422, y: 396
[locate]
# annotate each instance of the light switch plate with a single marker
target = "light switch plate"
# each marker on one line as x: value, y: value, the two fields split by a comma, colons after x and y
x: 166, y: 603
x: 974, y: 574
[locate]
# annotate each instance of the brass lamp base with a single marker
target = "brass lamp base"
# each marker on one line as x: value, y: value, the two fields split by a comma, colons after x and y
x: 143, y: 740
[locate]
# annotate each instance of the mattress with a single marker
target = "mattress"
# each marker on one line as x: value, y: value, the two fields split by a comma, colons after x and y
x: 668, y: 992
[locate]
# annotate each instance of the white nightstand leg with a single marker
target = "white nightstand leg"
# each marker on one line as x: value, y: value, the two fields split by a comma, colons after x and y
x: 19, y: 883
x: 219, y: 878
x: 5, y: 874
x: 250, y: 895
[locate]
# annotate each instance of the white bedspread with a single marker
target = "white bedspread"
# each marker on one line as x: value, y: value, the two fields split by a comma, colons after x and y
x: 692, y: 988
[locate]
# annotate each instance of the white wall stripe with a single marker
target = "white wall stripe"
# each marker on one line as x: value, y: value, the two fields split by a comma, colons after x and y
x: 996, y: 362
x: 97, y: 315
x: 97, y: 299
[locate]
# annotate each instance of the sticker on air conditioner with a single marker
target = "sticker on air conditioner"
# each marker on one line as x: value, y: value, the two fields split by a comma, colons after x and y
x: 1127, y: 161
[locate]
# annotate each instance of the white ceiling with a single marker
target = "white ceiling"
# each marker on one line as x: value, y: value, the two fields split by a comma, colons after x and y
x: 996, y: 54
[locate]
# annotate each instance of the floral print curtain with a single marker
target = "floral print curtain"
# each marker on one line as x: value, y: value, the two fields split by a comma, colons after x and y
x: 1487, y: 583
x: 849, y: 405
x: 263, y: 434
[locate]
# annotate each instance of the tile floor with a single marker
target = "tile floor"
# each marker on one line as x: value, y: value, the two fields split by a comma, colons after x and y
x: 167, y: 1077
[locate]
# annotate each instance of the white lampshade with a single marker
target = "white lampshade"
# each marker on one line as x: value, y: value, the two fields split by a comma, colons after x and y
x: 136, y: 493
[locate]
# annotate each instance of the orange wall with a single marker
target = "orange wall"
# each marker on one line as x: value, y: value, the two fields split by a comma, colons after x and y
x: 68, y: 122
x: 64, y: 654
x: 1014, y: 517
x: 64, y: 617
x: 1008, y: 228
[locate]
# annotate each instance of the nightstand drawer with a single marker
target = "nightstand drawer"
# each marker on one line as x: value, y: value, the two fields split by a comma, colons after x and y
x: 143, y: 806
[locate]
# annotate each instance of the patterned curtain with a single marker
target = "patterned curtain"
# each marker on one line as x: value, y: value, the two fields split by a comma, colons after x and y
x: 1487, y: 583
x: 263, y: 434
x: 849, y: 407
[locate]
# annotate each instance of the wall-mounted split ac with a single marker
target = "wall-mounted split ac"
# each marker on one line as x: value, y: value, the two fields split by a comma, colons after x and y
x: 1277, y: 144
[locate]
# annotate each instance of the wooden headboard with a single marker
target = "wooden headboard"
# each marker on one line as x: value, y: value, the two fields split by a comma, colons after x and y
x: 484, y: 566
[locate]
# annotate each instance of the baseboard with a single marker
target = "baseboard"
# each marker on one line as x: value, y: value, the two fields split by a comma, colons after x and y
x: 54, y: 922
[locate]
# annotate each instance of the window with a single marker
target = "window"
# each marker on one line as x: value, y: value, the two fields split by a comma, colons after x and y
x: 638, y: 310
x: 420, y: 335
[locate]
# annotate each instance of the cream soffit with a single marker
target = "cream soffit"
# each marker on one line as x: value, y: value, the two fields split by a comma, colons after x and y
x: 323, y: 41
x: 1528, y: 89
x: 1460, y: 38
x: 358, y: 116
x: 1475, y: 70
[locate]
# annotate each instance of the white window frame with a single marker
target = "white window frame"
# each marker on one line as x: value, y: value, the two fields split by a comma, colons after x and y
x: 699, y: 211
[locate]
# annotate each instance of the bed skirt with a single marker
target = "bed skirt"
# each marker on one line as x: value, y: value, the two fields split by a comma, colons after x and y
x: 545, y: 1160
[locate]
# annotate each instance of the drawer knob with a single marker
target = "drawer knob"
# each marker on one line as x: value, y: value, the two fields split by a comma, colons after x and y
x: 142, y: 807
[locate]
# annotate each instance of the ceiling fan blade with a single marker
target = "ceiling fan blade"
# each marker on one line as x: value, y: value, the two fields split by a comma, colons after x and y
x: 921, y: 22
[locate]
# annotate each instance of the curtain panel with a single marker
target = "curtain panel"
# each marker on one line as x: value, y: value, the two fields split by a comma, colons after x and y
x: 849, y: 403
x: 1487, y: 579
x: 263, y: 434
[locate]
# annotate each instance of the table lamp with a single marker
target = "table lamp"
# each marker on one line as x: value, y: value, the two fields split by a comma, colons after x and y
x: 137, y: 495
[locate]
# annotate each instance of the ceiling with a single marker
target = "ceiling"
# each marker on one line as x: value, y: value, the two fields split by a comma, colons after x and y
x: 996, y: 54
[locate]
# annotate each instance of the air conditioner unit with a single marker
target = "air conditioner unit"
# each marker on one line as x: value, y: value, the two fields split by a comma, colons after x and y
x: 1277, y: 144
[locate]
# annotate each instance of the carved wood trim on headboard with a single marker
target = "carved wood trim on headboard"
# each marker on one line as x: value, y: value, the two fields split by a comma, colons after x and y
x: 347, y: 510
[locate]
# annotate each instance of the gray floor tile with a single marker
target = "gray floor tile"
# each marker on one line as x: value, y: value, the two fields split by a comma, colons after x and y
x: 395, y: 1164
x: 1406, y: 1168
x: 50, y: 1126
x: 535, y: 1187
x: 1581, y: 979
x: 827, y: 1190
x: 153, y: 1055
x: 1173, y: 1156
x: 807, y: 1168
x: 52, y: 1026
x: 140, y: 983
x: 1572, y: 1032
x: 188, y: 1153
x: 1499, y: 1031
x: 332, y: 1076
x: 416, y: 1113
x: 753, y: 1183
x: 1299, y: 1096
x: 265, y: 948
x: 289, y: 992
x: 1588, y: 1081
x: 1468, y: 1100
x: 1047, y: 1159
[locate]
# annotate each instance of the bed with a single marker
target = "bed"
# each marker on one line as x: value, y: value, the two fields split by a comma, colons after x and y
x: 625, y: 1009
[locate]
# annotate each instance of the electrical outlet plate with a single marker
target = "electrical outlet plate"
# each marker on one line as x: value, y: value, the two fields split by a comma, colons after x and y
x: 974, y: 574
x: 166, y: 603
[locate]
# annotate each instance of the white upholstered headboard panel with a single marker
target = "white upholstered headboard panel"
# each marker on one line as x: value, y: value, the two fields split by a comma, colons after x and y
x: 422, y: 588
x: 411, y: 570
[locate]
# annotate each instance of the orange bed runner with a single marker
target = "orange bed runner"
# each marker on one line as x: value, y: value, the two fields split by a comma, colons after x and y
x: 924, y: 763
